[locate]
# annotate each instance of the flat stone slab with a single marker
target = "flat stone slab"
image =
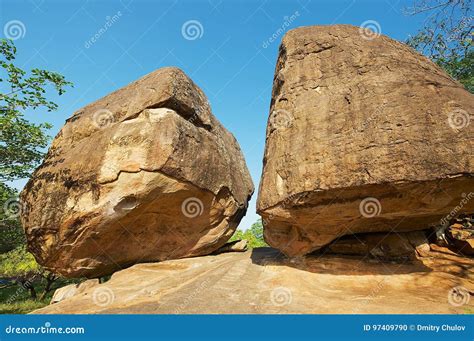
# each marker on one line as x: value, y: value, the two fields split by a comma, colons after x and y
x: 263, y: 281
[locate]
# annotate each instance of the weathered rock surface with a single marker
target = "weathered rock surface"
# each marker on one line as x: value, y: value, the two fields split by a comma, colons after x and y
x: 460, y: 235
x: 235, y: 246
x: 363, y: 136
x: 71, y: 290
x: 146, y: 173
x: 385, y: 246
x: 263, y: 281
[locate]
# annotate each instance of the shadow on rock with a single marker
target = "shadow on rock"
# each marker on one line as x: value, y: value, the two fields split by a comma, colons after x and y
x: 338, y: 264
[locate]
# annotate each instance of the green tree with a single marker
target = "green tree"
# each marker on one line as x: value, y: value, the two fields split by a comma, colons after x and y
x: 11, y: 233
x: 446, y: 37
x: 22, y: 146
x: 20, y: 267
x: 22, y: 142
x: 254, y: 235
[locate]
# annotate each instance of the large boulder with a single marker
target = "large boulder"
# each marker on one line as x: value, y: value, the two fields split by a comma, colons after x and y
x: 146, y: 173
x: 364, y: 135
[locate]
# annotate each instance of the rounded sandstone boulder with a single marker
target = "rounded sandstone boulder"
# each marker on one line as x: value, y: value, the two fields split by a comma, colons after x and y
x: 364, y: 135
x: 146, y: 173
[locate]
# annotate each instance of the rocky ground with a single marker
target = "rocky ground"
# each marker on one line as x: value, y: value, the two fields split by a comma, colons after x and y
x: 262, y: 280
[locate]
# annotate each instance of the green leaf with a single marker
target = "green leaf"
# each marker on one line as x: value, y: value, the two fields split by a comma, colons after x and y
x: 22, y: 143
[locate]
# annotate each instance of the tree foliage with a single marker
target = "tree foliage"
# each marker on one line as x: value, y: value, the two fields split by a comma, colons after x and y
x: 254, y: 235
x: 20, y: 267
x: 22, y: 142
x: 446, y: 37
x: 11, y: 233
x: 21, y: 150
x: 18, y: 264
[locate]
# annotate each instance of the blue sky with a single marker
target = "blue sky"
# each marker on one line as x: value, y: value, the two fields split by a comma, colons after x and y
x: 230, y: 57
